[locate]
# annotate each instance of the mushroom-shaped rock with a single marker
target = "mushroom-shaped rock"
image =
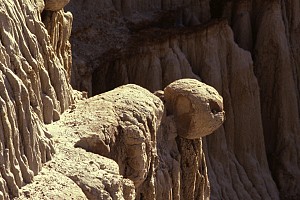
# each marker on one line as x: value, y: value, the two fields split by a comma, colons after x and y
x: 55, y: 5
x: 197, y: 107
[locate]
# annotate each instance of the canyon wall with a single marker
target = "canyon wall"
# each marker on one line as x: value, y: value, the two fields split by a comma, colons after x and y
x: 276, y: 60
x: 34, y: 91
x: 248, y: 50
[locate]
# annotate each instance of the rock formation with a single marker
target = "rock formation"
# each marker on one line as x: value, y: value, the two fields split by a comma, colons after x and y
x: 154, y: 157
x: 131, y: 144
x: 247, y: 49
x: 34, y: 90
x: 189, y: 101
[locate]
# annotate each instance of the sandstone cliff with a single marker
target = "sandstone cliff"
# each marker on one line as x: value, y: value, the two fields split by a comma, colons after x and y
x: 247, y: 49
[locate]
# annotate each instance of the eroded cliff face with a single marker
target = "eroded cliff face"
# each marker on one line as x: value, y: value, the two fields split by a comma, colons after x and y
x: 125, y: 131
x: 276, y: 60
x: 143, y: 146
x: 34, y: 91
x: 251, y: 56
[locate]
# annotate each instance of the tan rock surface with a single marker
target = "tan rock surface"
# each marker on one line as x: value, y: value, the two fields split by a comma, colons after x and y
x: 128, y: 125
x: 197, y: 108
x: 239, y: 162
x: 34, y: 89
x: 280, y: 99
x: 49, y: 184
x: 212, y: 54
x: 59, y: 26
x: 262, y: 108
x: 182, y: 171
x: 74, y: 173
x: 114, y: 36
x: 127, y: 122
x: 253, y: 156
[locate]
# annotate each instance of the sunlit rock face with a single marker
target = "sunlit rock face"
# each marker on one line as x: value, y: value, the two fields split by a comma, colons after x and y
x: 158, y: 148
x: 248, y: 50
x: 34, y: 91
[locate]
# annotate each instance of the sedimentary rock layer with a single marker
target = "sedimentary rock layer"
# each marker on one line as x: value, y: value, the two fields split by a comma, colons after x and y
x: 34, y: 90
x: 275, y: 47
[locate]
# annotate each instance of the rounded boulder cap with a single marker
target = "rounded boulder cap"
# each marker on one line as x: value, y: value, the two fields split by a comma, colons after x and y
x: 55, y: 5
x: 197, y: 107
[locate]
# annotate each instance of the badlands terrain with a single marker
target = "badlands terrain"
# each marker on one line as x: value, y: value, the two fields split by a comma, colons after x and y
x: 150, y: 99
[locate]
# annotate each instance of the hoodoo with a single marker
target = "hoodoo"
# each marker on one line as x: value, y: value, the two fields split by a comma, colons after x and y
x: 137, y: 99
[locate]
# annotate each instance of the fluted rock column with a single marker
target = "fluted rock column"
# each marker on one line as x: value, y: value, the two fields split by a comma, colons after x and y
x: 34, y: 90
x: 197, y: 111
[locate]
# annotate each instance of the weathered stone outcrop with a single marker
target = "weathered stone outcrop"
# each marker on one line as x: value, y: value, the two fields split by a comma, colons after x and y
x: 197, y: 109
x: 188, y: 10
x: 127, y: 124
x: 186, y: 101
x: 251, y: 57
x: 34, y: 90
x: 131, y: 126
x: 95, y: 176
x: 154, y: 68
x: 59, y: 25
x: 74, y: 173
x: 280, y: 96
